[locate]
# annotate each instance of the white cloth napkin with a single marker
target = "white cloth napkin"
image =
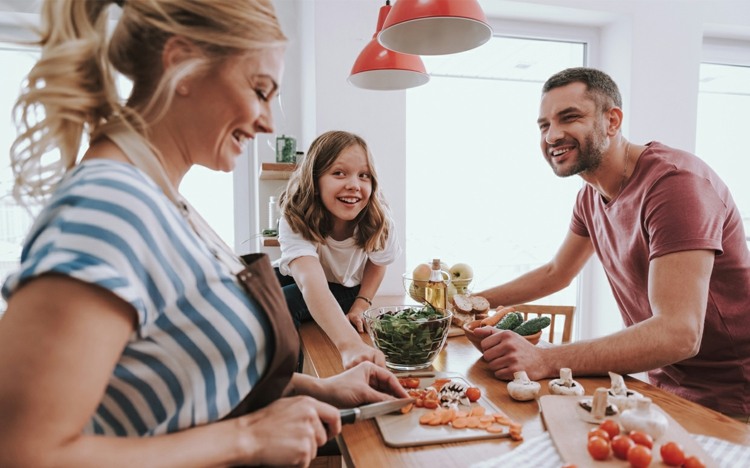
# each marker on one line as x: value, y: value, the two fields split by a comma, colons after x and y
x: 540, y: 452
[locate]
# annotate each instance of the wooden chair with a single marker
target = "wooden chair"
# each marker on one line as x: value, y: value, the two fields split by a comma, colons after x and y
x: 555, y: 313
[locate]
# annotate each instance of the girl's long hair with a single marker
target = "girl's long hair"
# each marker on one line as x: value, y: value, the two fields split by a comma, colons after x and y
x: 303, y: 208
x: 71, y: 89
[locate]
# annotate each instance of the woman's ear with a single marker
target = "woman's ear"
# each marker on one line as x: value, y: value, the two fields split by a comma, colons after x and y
x: 614, y: 121
x: 178, y: 50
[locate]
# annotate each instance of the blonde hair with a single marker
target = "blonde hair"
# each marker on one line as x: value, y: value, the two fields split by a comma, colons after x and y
x: 303, y: 209
x: 71, y: 89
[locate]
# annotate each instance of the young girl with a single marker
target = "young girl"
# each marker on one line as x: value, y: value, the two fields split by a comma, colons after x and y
x: 336, y: 239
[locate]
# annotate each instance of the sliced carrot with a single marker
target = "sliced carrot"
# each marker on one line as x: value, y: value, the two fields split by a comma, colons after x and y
x: 472, y: 421
x: 495, y: 429
x: 477, y: 411
x: 436, y: 420
x: 448, y: 416
x: 487, y: 418
x: 504, y: 420
x: 462, y: 414
x: 407, y: 408
x: 484, y: 424
x: 426, y: 418
x: 460, y: 423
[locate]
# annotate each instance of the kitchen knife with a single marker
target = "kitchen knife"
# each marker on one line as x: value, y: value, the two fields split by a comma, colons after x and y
x: 353, y: 415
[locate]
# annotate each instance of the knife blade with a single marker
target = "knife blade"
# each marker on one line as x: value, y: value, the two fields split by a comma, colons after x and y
x: 352, y: 415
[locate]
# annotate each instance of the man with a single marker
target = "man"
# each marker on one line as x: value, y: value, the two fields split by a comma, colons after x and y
x: 671, y: 241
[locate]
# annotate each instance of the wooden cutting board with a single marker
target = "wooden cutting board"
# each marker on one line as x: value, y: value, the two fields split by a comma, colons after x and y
x: 404, y: 430
x: 569, y: 434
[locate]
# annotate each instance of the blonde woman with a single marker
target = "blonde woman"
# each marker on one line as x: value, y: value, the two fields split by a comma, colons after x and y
x: 133, y: 336
x: 337, y: 239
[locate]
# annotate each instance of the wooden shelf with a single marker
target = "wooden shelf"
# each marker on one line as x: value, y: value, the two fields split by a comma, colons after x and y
x: 270, y: 242
x: 276, y: 171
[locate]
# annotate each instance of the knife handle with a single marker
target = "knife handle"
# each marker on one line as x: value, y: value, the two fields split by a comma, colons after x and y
x: 349, y: 416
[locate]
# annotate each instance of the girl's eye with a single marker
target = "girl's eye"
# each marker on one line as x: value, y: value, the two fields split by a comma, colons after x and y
x: 365, y: 176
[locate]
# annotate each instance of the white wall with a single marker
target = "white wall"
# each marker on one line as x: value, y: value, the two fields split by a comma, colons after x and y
x: 651, y: 47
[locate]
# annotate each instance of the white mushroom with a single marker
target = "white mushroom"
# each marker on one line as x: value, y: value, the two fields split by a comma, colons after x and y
x: 619, y: 394
x: 565, y: 385
x: 644, y: 418
x: 523, y: 389
x: 452, y: 394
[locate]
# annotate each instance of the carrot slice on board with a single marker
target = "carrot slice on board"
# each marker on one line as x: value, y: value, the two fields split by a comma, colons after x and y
x: 495, y: 429
x: 460, y: 423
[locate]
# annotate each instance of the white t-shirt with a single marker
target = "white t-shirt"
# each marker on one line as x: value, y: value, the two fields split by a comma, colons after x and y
x: 343, y: 261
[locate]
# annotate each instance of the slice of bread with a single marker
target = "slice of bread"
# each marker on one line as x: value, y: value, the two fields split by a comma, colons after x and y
x: 463, y: 303
x: 479, y: 304
x: 460, y: 318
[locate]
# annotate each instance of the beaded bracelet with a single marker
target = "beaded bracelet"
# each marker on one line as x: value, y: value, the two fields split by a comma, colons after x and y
x: 364, y: 299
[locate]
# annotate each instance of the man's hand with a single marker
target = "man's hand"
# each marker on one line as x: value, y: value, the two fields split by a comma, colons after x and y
x: 507, y: 352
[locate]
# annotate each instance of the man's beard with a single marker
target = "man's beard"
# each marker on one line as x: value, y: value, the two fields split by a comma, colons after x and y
x: 589, y: 156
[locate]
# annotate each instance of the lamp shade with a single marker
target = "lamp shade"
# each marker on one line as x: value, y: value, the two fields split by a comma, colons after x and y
x: 378, y: 68
x: 435, y: 27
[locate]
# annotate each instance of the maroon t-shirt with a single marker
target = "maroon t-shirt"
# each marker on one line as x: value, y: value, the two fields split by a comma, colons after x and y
x: 675, y: 202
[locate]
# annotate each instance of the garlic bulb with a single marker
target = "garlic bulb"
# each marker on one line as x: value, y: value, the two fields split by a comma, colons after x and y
x: 644, y: 418
x: 565, y: 385
x: 523, y: 389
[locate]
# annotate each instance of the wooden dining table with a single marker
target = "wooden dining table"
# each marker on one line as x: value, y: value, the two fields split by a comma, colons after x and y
x: 361, y: 444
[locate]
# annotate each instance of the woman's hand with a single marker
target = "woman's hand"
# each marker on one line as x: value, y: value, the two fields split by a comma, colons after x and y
x: 287, y: 432
x: 359, y: 351
x: 365, y: 383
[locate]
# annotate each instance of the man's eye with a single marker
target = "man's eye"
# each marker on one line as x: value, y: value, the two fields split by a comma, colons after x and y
x: 262, y: 95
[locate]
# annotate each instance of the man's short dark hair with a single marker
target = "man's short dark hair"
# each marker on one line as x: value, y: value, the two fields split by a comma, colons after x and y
x: 600, y: 86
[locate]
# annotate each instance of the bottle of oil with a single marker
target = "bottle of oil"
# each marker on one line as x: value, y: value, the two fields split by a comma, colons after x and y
x: 435, y: 292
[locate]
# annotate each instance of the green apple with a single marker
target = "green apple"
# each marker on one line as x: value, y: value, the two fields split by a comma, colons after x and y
x: 421, y: 274
x: 461, y: 276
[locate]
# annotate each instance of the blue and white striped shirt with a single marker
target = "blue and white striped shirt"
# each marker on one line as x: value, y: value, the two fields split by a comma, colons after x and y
x: 200, y: 344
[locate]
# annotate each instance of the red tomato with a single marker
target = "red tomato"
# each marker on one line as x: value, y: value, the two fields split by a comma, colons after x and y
x: 620, y: 446
x: 641, y: 438
x: 598, y: 448
x: 639, y: 456
x: 693, y: 462
x: 473, y: 393
x: 409, y: 382
x: 672, y: 454
x: 611, y: 427
x: 599, y: 433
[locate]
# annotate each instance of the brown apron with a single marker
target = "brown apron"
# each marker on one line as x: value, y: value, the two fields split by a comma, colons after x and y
x: 260, y: 282
x: 254, y: 271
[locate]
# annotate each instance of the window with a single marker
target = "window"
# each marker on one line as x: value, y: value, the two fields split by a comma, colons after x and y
x: 478, y: 188
x: 723, y: 100
x: 210, y: 192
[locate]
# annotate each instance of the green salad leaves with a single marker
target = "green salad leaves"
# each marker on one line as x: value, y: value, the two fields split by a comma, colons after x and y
x: 411, y: 336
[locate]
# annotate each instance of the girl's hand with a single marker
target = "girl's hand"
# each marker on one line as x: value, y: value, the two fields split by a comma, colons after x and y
x: 287, y: 432
x: 361, y: 352
x: 357, y: 319
x: 364, y: 383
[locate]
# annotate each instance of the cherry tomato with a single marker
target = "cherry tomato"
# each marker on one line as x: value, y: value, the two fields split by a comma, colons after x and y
x: 621, y: 444
x: 410, y: 382
x: 599, y: 433
x: 639, y: 456
x: 611, y: 426
x: 473, y: 393
x: 598, y: 448
x: 693, y: 462
x: 641, y: 438
x: 672, y: 454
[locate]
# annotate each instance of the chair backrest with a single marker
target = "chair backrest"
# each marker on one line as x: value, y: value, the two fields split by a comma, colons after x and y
x: 556, y: 314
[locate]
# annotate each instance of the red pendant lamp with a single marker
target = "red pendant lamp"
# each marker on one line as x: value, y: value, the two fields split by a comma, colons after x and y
x: 435, y: 27
x: 378, y: 68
